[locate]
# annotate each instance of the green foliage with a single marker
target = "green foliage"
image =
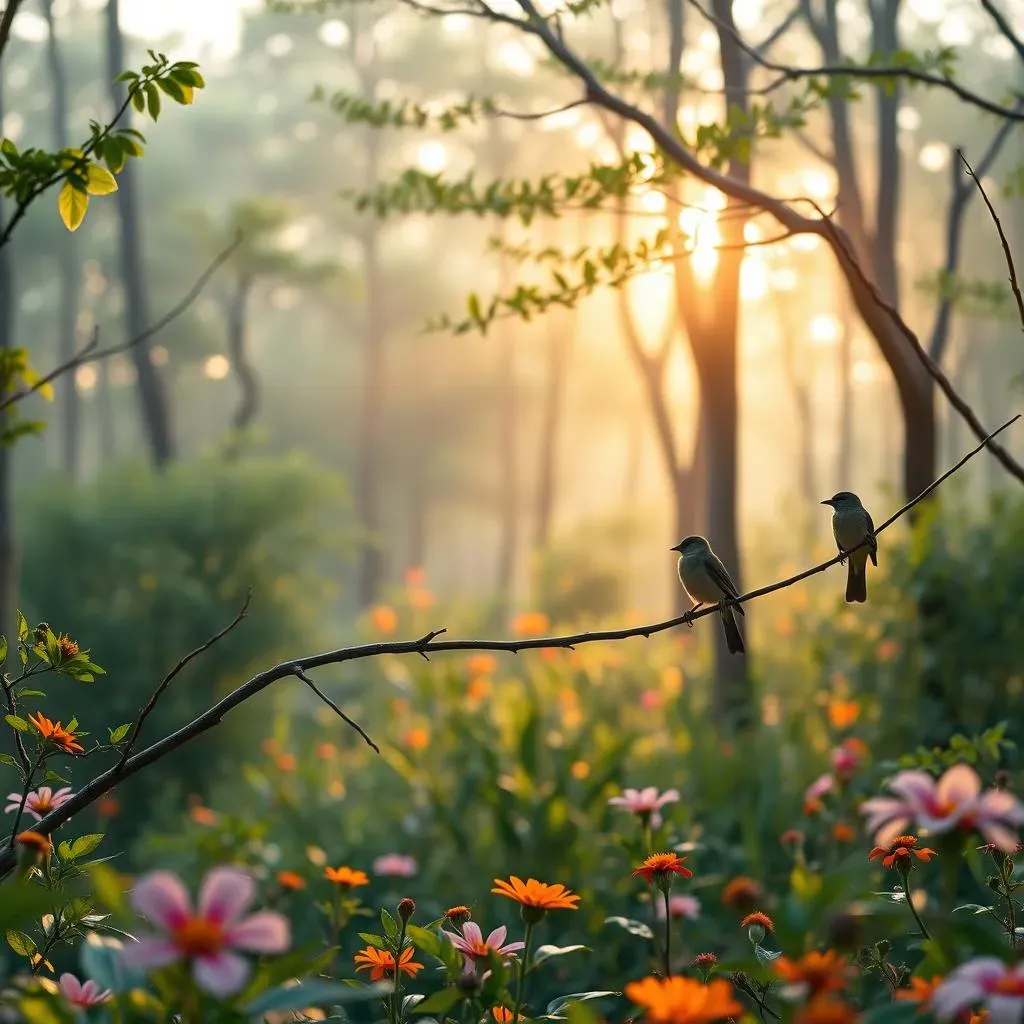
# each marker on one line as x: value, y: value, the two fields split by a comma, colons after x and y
x: 18, y: 380
x: 972, y: 297
x: 356, y: 109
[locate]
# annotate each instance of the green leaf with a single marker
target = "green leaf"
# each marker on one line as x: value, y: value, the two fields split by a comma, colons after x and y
x: 563, y: 1002
x: 8, y: 760
x: 425, y: 940
x: 71, y: 205
x: 99, y: 181
x: 631, y: 926
x: 118, y: 734
x: 550, y: 952
x: 441, y: 1002
x: 138, y: 100
x: 377, y: 941
x: 313, y: 993
x: 84, y: 845
x: 22, y: 626
x: 21, y: 943
x: 31, y: 693
x: 389, y: 924
x: 16, y: 723
x: 3, y: 649
x: 153, y: 100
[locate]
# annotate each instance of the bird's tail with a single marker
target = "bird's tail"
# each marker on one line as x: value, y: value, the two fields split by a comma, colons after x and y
x: 856, y: 581
x: 733, y: 637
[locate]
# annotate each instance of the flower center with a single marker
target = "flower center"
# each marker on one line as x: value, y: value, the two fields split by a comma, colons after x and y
x: 478, y: 948
x: 199, y: 936
x: 44, y: 804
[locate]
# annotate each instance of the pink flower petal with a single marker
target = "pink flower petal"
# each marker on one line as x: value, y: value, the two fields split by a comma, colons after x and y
x: 1004, y: 1009
x: 457, y: 941
x: 70, y: 987
x: 1005, y: 838
x: 472, y: 934
x: 163, y: 898
x: 150, y: 952
x: 497, y: 937
x: 887, y: 833
x: 953, y: 995
x: 221, y: 975
x: 265, y: 932
x: 997, y: 803
x: 958, y: 786
x: 915, y: 785
x: 670, y: 796
x: 225, y: 894
x: 648, y: 795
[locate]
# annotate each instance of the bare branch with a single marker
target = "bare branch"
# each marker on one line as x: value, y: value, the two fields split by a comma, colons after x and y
x: 215, y: 715
x: 6, y: 21
x: 779, y: 31
x: 787, y: 73
x: 168, y: 679
x: 1004, y: 27
x: 541, y: 114
x: 90, y: 354
x: 300, y: 674
x: 1014, y: 285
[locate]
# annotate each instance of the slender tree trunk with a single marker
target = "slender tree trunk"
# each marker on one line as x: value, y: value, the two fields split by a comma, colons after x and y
x: 368, y: 476
x: 557, y: 350
x: 8, y: 540
x: 238, y: 348
x: 68, y: 264
x: 152, y: 391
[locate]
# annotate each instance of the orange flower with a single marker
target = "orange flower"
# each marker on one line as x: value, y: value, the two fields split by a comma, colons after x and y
x: 758, y: 918
x: 56, y: 734
x: 108, y: 806
x: 68, y: 648
x: 381, y: 964
x: 579, y: 770
x: 415, y: 576
x: 536, y: 897
x: 683, y: 1000
x: 383, y: 618
x: 34, y: 841
x: 742, y: 893
x: 478, y: 688
x: 325, y: 751
x: 348, y: 878
x: 291, y: 880
x: 481, y: 664
x: 417, y: 738
x: 705, y: 961
x: 422, y: 599
x: 286, y: 762
x: 898, y: 853
x: 502, y: 1014
x: 921, y: 990
x: 203, y: 815
x: 887, y: 650
x: 530, y: 624
x: 843, y: 832
x: 660, y: 866
x: 816, y: 973
x: 843, y: 713
x: 826, y: 1011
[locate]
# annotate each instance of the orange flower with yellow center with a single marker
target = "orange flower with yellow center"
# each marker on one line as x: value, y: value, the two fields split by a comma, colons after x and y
x: 816, y: 973
x: 758, y: 918
x: 824, y: 1010
x: 683, y: 1000
x: 291, y: 880
x: 921, y: 990
x: 659, y: 867
x: 381, y: 963
x: 458, y: 914
x: 536, y: 898
x: 348, y: 878
x: 898, y: 853
x: 68, y: 648
x: 55, y: 733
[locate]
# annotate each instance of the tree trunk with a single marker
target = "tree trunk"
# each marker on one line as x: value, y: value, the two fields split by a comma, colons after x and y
x: 557, y: 349
x: 887, y: 202
x: 8, y: 541
x: 151, y: 388
x: 68, y: 265
x: 238, y: 348
x: 368, y: 476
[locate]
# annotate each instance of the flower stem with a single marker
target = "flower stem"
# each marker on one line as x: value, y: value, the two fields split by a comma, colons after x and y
x: 397, y: 996
x: 522, y: 972
x: 1011, y: 924
x: 668, y: 935
x: 913, y: 909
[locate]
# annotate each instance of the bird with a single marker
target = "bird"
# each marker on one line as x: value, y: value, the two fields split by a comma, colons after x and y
x: 707, y: 581
x: 852, y: 525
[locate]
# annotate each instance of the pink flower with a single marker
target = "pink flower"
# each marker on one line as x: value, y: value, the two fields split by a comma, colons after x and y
x: 846, y: 759
x: 395, y: 865
x: 472, y: 945
x: 645, y: 803
x: 41, y: 802
x: 984, y: 979
x: 208, y: 936
x: 816, y: 790
x: 955, y: 801
x: 81, y: 995
x: 680, y: 906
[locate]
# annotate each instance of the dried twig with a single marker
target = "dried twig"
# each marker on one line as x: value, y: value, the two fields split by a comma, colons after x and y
x: 426, y: 643
x: 300, y: 674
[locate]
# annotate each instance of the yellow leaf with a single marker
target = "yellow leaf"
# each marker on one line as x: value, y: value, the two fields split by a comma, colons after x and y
x: 100, y: 182
x: 70, y: 157
x: 186, y: 91
x: 71, y: 205
x: 31, y: 379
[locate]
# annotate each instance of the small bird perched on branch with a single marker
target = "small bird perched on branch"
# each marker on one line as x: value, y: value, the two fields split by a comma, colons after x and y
x: 707, y: 581
x: 851, y: 525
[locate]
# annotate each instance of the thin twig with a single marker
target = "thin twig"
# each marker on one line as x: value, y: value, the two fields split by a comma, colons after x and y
x: 6, y: 21
x: 169, y: 678
x: 1014, y: 285
x: 215, y: 715
x: 90, y: 354
x: 299, y: 674
x: 540, y: 114
x: 1004, y: 27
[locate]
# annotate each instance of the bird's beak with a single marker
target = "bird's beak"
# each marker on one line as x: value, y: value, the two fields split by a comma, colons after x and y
x: 827, y: 501
x: 676, y: 548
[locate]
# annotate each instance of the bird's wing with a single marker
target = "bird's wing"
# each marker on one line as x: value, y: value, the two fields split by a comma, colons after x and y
x: 835, y: 534
x: 720, y: 575
x: 873, y: 545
